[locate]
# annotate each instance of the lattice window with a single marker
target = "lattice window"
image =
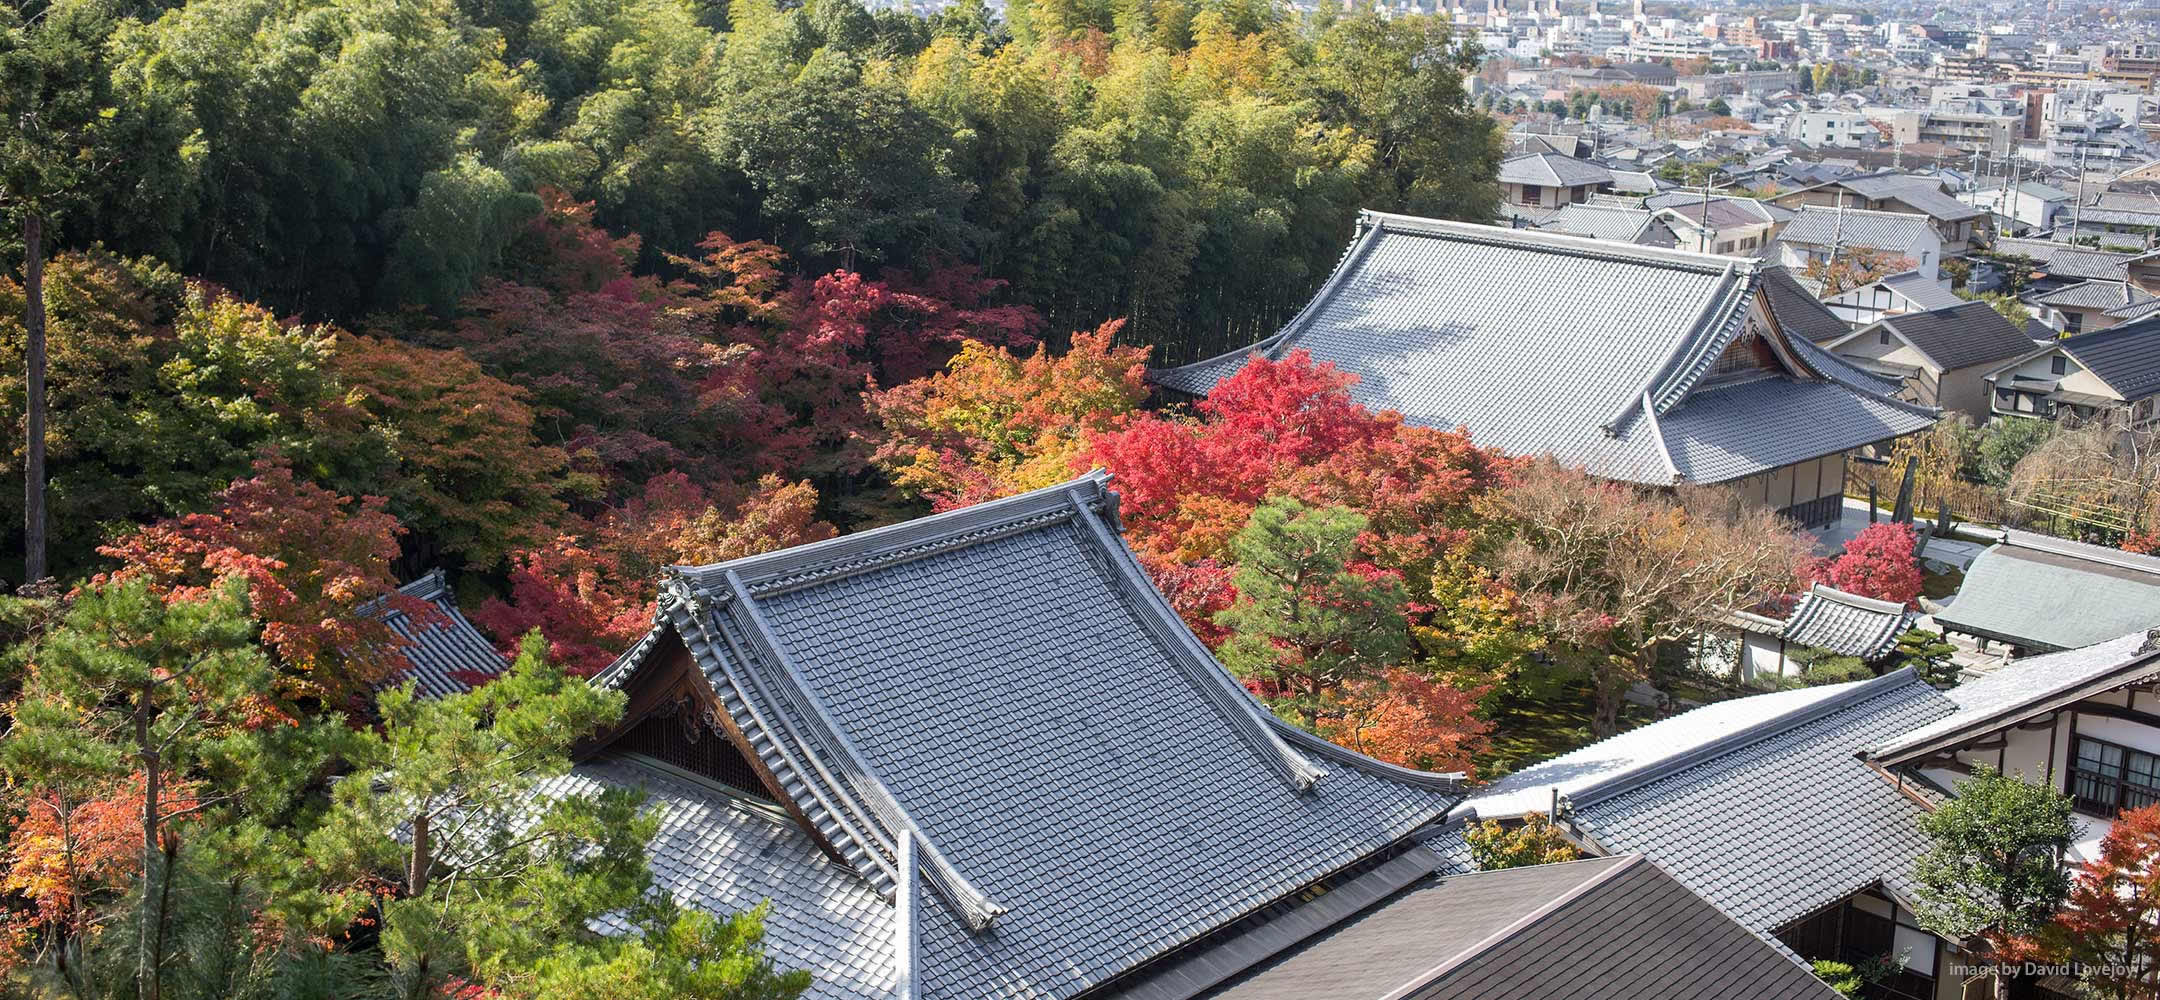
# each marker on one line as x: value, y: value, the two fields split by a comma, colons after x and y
x: 681, y: 735
x: 1740, y: 356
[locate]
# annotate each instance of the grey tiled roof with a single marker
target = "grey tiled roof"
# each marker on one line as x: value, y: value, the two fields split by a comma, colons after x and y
x: 1842, y: 370
x: 1458, y: 325
x: 1600, y: 222
x: 1731, y: 431
x: 2126, y: 357
x: 2138, y: 309
x: 1551, y: 170
x: 1001, y: 686
x: 447, y: 654
x: 2094, y: 294
x: 2027, y: 687
x: 1725, y: 213
x: 1921, y: 290
x: 1696, y: 733
x: 1961, y: 336
x: 1798, y: 310
x: 2066, y: 261
x: 2050, y: 599
x: 1852, y: 227
x: 723, y: 854
x: 1545, y: 931
x: 1847, y: 624
x: 1785, y: 820
x: 1922, y: 193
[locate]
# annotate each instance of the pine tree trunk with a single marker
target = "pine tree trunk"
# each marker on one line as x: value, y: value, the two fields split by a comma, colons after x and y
x: 148, y: 917
x: 34, y: 460
x: 422, y: 858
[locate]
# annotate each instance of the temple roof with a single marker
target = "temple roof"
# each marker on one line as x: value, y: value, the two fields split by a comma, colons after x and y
x: 1798, y: 311
x: 448, y: 654
x: 1603, y: 355
x: 1539, y: 931
x: 1846, y: 624
x: 1759, y: 804
x: 995, y: 707
x: 2026, y: 688
x: 2043, y: 594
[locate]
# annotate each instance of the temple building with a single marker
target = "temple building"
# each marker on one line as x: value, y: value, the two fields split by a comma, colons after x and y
x: 1641, y: 364
x: 978, y: 755
x: 446, y: 654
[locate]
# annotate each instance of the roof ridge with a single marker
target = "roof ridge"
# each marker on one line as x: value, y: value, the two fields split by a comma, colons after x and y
x: 2065, y: 547
x: 1411, y: 225
x: 1841, y: 210
x: 1860, y: 601
x: 1452, y: 781
x: 1852, y: 600
x: 1657, y: 437
x: 1735, y: 304
x: 427, y: 586
x: 1776, y: 725
x: 1514, y: 927
x: 818, y: 562
x: 974, y: 906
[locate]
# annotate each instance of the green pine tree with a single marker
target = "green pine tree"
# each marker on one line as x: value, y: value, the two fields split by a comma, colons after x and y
x: 1305, y: 625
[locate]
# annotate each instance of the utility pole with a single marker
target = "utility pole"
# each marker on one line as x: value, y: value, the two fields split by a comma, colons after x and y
x: 2077, y: 210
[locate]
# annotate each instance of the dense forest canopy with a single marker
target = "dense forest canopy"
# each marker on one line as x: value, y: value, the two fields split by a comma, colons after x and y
x: 1190, y: 165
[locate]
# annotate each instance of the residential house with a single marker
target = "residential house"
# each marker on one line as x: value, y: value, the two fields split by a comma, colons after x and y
x: 1894, y: 191
x: 2038, y: 593
x: 2113, y: 218
x: 1640, y: 364
x: 1611, y: 222
x: 1818, y: 235
x: 1721, y: 225
x: 2094, y: 305
x: 2029, y: 205
x: 1563, y: 143
x: 889, y: 737
x: 1941, y: 357
x: 2050, y: 265
x: 2112, y: 375
x: 444, y: 653
x: 1636, y: 182
x: 1546, y: 181
x: 1909, y: 292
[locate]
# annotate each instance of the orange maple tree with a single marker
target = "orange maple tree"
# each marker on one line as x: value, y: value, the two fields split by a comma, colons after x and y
x: 312, y: 560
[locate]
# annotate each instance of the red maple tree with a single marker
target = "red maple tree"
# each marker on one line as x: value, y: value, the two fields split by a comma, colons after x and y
x: 1877, y: 563
x: 2111, y: 924
x: 1287, y: 428
x: 590, y: 592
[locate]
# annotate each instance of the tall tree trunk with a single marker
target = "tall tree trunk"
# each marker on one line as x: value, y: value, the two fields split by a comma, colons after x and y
x: 34, y: 460
x: 422, y: 859
x: 148, y: 917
